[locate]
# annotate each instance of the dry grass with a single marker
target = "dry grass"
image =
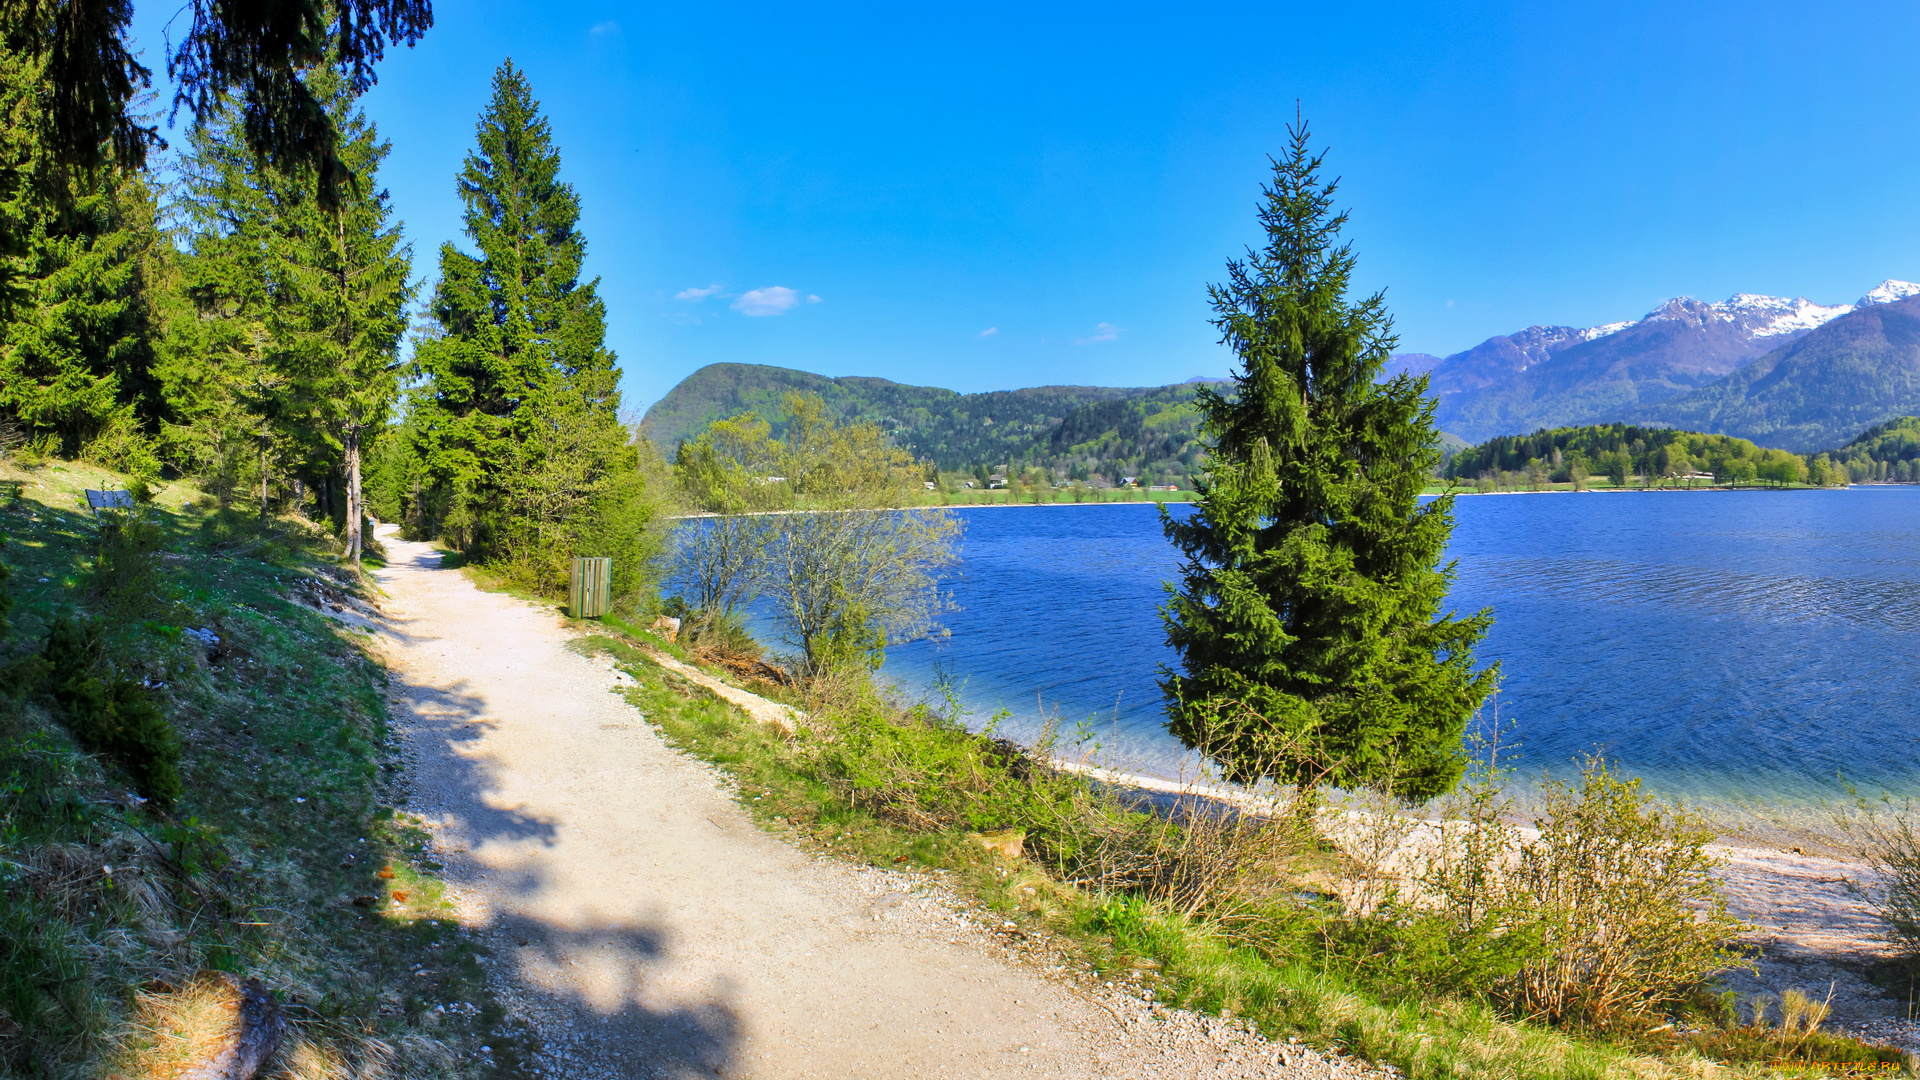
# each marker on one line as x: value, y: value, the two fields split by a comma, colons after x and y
x: 177, y: 1032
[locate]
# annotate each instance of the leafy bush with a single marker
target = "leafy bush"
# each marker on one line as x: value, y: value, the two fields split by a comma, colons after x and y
x: 1611, y: 915
x: 1621, y: 892
x: 1886, y: 838
x: 116, y: 718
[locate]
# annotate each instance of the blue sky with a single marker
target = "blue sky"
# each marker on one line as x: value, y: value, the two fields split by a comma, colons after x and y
x: 1000, y: 195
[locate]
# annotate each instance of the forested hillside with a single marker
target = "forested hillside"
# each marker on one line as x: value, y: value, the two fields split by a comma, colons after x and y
x: 1068, y: 432
x: 1888, y: 452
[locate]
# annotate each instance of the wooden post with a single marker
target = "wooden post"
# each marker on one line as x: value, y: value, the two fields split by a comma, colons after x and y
x: 590, y: 588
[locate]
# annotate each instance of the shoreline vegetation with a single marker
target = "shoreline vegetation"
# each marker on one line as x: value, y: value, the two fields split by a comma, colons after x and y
x: 1317, y: 673
x: 1035, y: 845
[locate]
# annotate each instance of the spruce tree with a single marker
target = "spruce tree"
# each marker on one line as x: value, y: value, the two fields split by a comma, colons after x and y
x: 226, y: 402
x: 282, y: 349
x: 518, y: 423
x: 1306, y: 616
x: 77, y: 251
x: 341, y: 275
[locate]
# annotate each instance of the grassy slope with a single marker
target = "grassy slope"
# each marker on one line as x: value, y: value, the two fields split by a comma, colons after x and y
x: 258, y: 869
x: 1101, y: 937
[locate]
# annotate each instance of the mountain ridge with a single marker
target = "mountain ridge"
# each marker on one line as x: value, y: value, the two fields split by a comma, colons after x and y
x: 1848, y: 375
x: 1549, y: 376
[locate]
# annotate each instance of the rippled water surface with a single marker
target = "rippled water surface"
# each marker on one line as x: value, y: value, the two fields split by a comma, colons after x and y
x: 1717, y: 643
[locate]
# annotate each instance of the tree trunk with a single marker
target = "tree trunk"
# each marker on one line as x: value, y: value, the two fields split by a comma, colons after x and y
x: 354, y: 512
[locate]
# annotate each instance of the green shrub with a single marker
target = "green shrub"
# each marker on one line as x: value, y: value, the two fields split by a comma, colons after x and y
x: 125, y: 580
x: 725, y: 633
x: 1609, y: 917
x: 1621, y: 892
x: 922, y: 770
x: 1885, y: 836
x: 115, y: 718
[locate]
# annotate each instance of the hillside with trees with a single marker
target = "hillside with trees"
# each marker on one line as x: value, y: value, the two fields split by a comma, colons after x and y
x: 1884, y: 453
x: 1091, y: 434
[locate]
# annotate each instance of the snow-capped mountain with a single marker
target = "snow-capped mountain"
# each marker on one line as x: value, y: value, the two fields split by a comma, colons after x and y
x: 1547, y: 375
x: 1754, y: 315
x: 1820, y: 389
x: 1888, y: 291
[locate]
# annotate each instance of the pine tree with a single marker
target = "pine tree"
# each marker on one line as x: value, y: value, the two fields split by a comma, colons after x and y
x: 518, y: 424
x: 341, y: 274
x: 1305, y: 618
x: 225, y: 399
x: 77, y: 251
x: 287, y: 357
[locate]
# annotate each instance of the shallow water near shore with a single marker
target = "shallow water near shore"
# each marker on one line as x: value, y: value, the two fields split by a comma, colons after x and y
x: 1735, y: 648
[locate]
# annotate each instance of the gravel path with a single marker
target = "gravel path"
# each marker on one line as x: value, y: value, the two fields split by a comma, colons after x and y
x: 644, y: 927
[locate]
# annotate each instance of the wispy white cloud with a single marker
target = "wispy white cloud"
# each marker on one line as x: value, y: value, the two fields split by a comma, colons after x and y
x: 812, y: 299
x: 1101, y: 332
x: 605, y: 28
x: 694, y: 296
x: 772, y: 300
x: 988, y: 332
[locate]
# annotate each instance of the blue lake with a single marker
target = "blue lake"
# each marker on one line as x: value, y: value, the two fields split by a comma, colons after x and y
x: 1720, y: 644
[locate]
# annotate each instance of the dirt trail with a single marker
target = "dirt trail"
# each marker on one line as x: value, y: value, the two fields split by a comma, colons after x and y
x: 644, y: 925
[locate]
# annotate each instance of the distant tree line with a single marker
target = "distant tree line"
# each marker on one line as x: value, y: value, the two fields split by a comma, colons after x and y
x: 1053, y: 436
x: 1625, y: 453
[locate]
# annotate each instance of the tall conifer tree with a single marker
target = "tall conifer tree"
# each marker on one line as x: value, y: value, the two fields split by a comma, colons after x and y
x: 518, y: 423
x: 77, y: 252
x: 287, y: 357
x: 1306, y: 616
x: 216, y: 370
x: 341, y: 269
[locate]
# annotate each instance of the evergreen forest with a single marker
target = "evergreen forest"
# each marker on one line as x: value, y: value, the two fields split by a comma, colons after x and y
x: 239, y: 320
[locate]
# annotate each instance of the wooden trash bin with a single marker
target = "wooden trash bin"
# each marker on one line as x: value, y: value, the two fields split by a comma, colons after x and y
x: 590, y: 588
